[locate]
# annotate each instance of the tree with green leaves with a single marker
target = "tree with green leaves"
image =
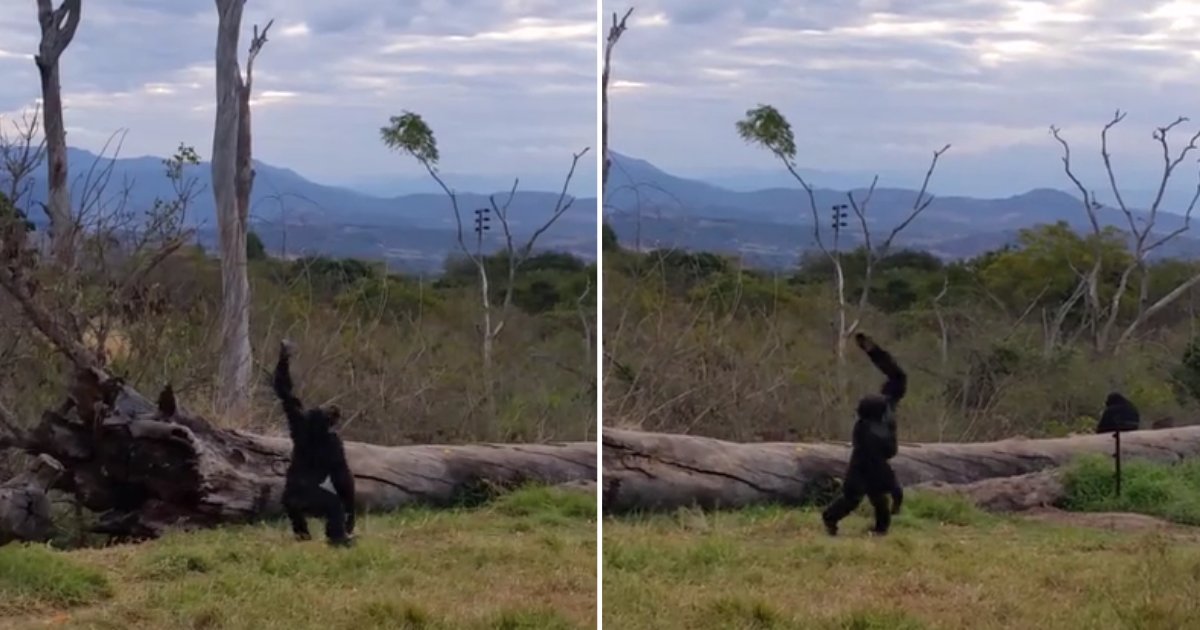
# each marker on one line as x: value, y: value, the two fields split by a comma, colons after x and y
x: 766, y: 127
x: 409, y: 134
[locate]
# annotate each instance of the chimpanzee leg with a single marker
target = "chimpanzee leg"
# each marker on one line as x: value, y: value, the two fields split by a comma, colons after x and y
x: 852, y: 495
x: 888, y: 482
x: 883, y: 516
x: 343, y: 485
x: 330, y: 507
x: 294, y: 504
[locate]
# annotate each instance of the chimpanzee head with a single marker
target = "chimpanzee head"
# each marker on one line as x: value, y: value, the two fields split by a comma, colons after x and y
x: 327, y: 417
x: 872, y: 408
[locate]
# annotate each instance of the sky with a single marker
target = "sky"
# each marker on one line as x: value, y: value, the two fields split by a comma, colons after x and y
x: 508, y: 86
x: 877, y: 85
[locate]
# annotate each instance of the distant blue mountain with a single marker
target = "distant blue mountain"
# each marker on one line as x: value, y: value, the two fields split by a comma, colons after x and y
x: 648, y: 208
x: 414, y: 228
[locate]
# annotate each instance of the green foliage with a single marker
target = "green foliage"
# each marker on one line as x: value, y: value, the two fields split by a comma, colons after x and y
x: 943, y: 509
x: 1043, y: 268
x: 548, y: 505
x: 32, y: 576
x: 9, y: 212
x: 877, y: 620
x: 545, y: 282
x: 255, y: 250
x: 765, y: 126
x: 1170, y: 491
x: 408, y: 133
x: 183, y: 157
x: 608, y: 238
x: 702, y: 345
x: 1186, y: 376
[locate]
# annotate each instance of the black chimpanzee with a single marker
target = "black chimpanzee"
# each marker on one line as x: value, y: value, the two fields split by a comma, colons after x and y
x: 874, y: 443
x: 317, y: 453
x: 1119, y: 415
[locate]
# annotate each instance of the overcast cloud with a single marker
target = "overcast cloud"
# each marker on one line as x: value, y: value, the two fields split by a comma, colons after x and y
x: 508, y: 85
x: 876, y: 85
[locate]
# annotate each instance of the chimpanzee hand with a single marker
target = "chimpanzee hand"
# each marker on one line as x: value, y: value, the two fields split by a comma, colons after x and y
x: 866, y: 343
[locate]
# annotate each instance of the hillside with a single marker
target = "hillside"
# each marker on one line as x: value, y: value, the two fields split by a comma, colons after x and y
x: 770, y: 227
x: 412, y: 231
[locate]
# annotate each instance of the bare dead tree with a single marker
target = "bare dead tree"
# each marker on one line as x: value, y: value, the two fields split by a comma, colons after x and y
x: 58, y: 29
x: 245, y: 166
x: 410, y: 134
x: 874, y: 253
x: 232, y: 176
x: 1106, y: 313
x: 614, y: 35
x: 22, y: 152
x: 765, y: 126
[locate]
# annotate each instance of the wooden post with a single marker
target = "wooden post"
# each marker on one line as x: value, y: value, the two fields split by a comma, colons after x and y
x: 1117, y: 457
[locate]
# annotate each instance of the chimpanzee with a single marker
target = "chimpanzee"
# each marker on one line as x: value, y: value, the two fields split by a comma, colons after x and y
x: 874, y: 442
x: 317, y: 453
x: 1119, y: 415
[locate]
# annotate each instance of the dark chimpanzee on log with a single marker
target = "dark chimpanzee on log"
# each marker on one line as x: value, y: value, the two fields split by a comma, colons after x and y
x: 1119, y: 415
x: 317, y: 454
x: 874, y: 442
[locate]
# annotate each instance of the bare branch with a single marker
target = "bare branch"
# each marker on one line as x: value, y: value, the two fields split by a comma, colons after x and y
x: 256, y: 45
x: 919, y: 204
x: 614, y: 35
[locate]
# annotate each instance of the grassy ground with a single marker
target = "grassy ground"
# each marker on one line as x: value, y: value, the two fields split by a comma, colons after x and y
x: 526, y: 561
x: 945, y: 565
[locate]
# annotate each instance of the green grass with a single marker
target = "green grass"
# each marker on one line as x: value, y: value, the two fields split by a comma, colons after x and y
x: 525, y: 561
x: 945, y: 565
x: 1171, y: 492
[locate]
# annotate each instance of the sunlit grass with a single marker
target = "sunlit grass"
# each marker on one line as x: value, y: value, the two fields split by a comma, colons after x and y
x: 525, y: 561
x: 944, y: 565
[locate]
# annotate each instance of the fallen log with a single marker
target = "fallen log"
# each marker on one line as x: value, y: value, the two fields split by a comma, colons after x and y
x: 1018, y: 493
x: 146, y: 467
x: 24, y: 504
x: 659, y: 471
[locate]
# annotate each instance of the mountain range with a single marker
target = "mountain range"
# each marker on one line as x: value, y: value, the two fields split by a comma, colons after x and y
x: 650, y: 208
x: 294, y: 215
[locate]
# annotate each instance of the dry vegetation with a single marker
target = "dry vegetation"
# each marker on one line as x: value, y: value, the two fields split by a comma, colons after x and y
x: 694, y: 343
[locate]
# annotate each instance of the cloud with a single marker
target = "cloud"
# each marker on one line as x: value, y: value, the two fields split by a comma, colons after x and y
x: 508, y: 85
x: 875, y: 84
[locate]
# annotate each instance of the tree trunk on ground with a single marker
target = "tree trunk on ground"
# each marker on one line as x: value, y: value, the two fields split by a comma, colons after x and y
x: 145, y: 468
x: 24, y: 506
x: 658, y: 471
x: 1008, y: 494
x: 234, y: 367
x: 58, y: 29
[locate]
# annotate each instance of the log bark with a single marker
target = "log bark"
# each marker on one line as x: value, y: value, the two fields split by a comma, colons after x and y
x: 146, y: 467
x: 24, y: 504
x: 658, y: 471
x: 1018, y: 493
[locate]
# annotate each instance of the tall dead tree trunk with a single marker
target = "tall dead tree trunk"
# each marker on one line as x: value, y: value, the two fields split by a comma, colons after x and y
x: 659, y: 471
x: 58, y: 29
x: 233, y: 370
